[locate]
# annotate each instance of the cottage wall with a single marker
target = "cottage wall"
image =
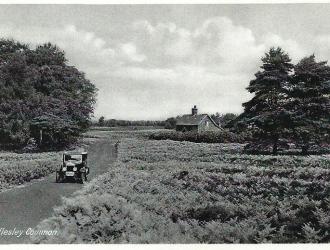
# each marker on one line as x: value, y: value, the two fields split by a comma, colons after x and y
x: 207, y: 125
x: 186, y: 128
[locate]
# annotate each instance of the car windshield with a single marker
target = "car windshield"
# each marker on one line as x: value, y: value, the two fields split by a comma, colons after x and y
x: 73, y: 157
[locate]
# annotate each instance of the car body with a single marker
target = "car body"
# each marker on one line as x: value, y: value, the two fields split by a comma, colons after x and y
x: 74, y: 166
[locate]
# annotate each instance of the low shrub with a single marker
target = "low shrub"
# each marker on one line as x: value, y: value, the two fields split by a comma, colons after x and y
x: 221, y: 136
x: 16, y: 169
x: 284, y: 147
x: 184, y: 192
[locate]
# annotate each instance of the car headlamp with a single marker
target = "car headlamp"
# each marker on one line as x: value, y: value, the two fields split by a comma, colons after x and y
x: 74, y: 168
x: 64, y: 168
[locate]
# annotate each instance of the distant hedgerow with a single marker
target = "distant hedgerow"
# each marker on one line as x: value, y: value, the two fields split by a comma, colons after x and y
x: 221, y: 136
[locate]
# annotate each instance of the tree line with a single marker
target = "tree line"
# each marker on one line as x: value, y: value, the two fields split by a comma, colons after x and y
x: 291, y: 103
x: 42, y: 98
x: 103, y: 122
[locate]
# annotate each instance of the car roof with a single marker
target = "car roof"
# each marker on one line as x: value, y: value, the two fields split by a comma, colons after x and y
x: 75, y: 153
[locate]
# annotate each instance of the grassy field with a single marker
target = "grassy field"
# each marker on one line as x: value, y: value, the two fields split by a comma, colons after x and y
x: 118, y: 135
x: 180, y: 192
x: 126, y: 128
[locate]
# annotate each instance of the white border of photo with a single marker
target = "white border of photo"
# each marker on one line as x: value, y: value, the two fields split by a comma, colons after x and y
x: 167, y: 246
x: 163, y: 246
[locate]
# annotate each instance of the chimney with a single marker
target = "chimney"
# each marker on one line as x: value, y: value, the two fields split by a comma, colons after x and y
x: 194, y: 110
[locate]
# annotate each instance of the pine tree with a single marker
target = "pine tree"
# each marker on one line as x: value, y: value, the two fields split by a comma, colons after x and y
x: 265, y: 113
x: 310, y: 102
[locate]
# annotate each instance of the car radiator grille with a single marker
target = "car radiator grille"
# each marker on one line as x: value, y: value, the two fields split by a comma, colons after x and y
x: 69, y: 168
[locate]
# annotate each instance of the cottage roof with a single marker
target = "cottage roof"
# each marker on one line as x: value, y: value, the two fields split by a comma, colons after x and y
x: 192, y: 120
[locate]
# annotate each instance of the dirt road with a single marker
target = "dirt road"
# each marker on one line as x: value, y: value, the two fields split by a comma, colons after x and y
x: 23, y: 208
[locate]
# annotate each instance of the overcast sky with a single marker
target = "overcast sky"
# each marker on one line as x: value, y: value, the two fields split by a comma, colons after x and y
x: 156, y: 61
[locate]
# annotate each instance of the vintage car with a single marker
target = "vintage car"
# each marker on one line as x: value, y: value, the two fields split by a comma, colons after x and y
x: 74, y: 167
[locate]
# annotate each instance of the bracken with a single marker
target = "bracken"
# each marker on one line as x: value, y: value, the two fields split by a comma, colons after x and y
x: 180, y: 192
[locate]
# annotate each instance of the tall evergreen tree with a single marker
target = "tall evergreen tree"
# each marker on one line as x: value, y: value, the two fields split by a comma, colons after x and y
x: 310, y: 102
x: 265, y: 113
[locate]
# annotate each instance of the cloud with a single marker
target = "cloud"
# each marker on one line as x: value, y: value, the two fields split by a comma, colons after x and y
x: 172, y: 91
x: 292, y: 47
x: 129, y: 50
x: 208, y: 66
x: 322, y: 47
x: 216, y: 42
x: 159, y: 70
x: 81, y: 47
x: 219, y: 41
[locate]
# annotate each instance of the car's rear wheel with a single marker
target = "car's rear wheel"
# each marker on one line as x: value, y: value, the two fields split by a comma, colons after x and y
x: 83, y: 178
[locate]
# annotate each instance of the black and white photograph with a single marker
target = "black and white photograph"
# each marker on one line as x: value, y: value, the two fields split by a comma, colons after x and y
x: 165, y: 123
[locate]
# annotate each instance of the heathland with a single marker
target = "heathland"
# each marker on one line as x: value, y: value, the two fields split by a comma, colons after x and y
x: 183, y: 192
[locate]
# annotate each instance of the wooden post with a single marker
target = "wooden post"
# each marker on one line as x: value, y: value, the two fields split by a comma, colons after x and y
x: 40, y: 137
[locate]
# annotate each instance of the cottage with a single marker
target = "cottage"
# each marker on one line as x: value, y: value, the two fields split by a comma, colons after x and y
x: 195, y: 122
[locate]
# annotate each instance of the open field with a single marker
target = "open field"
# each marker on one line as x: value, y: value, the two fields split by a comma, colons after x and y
x: 179, y: 192
x: 127, y: 128
x: 118, y: 135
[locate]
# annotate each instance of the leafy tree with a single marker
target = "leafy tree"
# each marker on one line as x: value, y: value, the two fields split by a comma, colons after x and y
x: 216, y: 117
x: 47, y: 54
x: 101, y: 121
x: 37, y: 84
x: 310, y: 102
x: 51, y: 129
x: 265, y: 113
x: 223, y: 119
x: 170, y: 123
x: 226, y: 118
x: 14, y: 88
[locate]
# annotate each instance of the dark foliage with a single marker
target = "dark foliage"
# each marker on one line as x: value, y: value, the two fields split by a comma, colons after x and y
x: 126, y: 123
x: 287, y: 107
x: 170, y: 123
x: 309, y: 103
x: 41, y: 96
x: 223, y: 119
x: 101, y: 121
x: 221, y: 136
x: 265, y: 113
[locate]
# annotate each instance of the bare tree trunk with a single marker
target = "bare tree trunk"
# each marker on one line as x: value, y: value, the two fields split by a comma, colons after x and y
x: 275, y: 146
x: 304, y: 149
